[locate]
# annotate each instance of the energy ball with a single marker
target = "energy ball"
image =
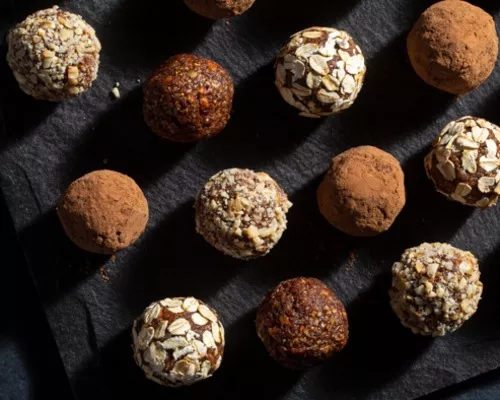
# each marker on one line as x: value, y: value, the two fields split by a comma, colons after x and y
x: 103, y: 212
x: 320, y: 71
x: 464, y: 162
x: 363, y: 191
x: 218, y: 9
x: 188, y: 99
x: 54, y: 54
x: 435, y: 288
x: 302, y: 323
x: 242, y: 213
x: 453, y: 46
x: 178, y: 341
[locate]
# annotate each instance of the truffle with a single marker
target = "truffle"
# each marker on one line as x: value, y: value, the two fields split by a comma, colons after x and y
x: 363, y: 191
x: 218, y: 9
x: 302, y: 323
x: 178, y: 341
x: 54, y: 54
x: 435, y: 288
x: 453, y: 46
x: 464, y: 162
x: 188, y: 98
x: 242, y: 213
x: 103, y: 212
x: 320, y: 71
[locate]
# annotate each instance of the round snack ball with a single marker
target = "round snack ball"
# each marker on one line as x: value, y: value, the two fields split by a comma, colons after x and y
x: 320, y: 71
x: 218, y: 9
x: 302, y: 323
x: 178, y: 341
x: 187, y: 99
x: 453, y: 46
x: 464, y: 162
x: 363, y: 191
x: 54, y: 54
x: 103, y: 212
x: 242, y: 213
x: 435, y: 288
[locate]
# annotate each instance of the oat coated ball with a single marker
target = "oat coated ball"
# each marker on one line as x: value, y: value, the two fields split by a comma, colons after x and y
x: 178, y: 341
x: 435, y: 288
x: 453, y: 46
x: 187, y: 99
x: 301, y: 322
x: 464, y: 162
x: 363, y: 192
x: 54, y: 54
x: 242, y: 213
x: 103, y: 212
x: 218, y: 9
x: 320, y: 71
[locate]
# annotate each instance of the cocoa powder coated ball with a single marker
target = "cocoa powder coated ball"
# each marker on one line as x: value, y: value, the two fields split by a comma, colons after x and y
x: 363, y: 191
x: 435, y: 288
x: 302, y: 323
x: 320, y: 71
x: 178, y: 341
x: 54, y: 54
x: 103, y: 212
x: 242, y: 213
x: 187, y: 99
x: 453, y: 46
x: 464, y: 162
x: 218, y: 9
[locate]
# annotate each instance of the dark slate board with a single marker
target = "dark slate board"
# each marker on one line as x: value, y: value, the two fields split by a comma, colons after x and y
x: 45, y: 146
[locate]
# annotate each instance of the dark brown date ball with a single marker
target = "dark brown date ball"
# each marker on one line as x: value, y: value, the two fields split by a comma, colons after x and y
x: 103, y: 212
x: 302, y: 323
x: 187, y: 99
x: 219, y: 9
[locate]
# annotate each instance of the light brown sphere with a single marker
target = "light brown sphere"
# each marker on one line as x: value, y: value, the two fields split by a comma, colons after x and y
x: 218, y: 9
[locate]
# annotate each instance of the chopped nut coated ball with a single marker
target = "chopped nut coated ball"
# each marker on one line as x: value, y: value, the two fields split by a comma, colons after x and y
x: 320, y: 71
x: 218, y: 9
x: 188, y: 99
x: 242, y: 213
x: 54, y: 54
x: 178, y: 341
x: 302, y: 323
x: 435, y: 288
x: 103, y: 212
x: 464, y: 162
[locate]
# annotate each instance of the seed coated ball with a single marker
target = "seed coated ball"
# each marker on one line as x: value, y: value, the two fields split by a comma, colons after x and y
x: 178, y: 341
x: 188, y: 99
x: 103, y: 212
x: 242, y: 213
x: 435, y: 288
x: 53, y: 54
x: 302, y: 323
x: 218, y: 9
x: 464, y: 162
x: 320, y: 71
x: 453, y: 46
x: 363, y: 191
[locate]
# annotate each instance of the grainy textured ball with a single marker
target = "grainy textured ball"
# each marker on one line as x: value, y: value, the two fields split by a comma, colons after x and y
x: 320, y: 71
x: 302, y: 323
x: 363, y: 191
x: 453, y: 46
x: 435, y: 288
x: 187, y: 99
x: 218, y: 9
x: 103, y: 212
x: 464, y: 162
x: 178, y: 341
x: 242, y: 213
x: 54, y: 54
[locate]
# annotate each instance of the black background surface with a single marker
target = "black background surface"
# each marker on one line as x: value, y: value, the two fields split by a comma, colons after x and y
x: 45, y: 146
